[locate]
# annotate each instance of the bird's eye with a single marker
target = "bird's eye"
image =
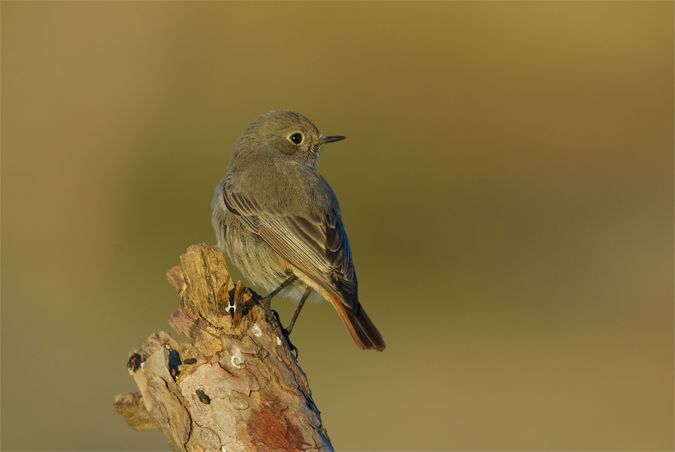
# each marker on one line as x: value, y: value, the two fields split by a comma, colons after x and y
x: 296, y: 138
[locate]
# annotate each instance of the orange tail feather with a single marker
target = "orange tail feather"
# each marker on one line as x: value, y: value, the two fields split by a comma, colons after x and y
x: 361, y: 328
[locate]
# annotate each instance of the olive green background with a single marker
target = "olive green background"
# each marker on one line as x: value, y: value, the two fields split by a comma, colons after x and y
x: 507, y: 187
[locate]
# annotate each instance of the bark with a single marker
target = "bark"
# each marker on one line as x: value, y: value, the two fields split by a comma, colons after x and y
x: 236, y: 386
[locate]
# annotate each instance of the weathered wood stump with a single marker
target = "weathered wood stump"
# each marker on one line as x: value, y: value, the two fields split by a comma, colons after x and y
x: 236, y: 386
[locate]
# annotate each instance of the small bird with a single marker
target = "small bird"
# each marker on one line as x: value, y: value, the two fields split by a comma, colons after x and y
x: 280, y: 222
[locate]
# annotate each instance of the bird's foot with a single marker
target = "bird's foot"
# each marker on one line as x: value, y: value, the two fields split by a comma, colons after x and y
x: 287, y: 335
x: 275, y: 320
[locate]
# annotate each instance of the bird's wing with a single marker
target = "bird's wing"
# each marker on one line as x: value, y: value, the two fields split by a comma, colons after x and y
x: 318, y: 246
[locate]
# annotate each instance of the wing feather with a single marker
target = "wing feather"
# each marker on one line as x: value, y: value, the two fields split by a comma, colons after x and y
x: 319, y: 247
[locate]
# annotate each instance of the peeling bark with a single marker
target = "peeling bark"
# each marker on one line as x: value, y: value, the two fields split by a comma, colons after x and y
x: 236, y: 386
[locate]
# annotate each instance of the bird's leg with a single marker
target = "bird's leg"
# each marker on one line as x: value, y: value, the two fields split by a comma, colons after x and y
x: 267, y: 301
x: 297, y: 311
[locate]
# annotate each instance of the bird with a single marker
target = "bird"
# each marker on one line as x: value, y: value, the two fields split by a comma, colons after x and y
x: 280, y: 222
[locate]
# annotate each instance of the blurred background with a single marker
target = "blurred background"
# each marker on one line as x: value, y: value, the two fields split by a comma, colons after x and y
x: 507, y: 187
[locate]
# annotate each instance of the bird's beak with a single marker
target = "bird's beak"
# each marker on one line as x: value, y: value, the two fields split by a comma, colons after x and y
x: 324, y: 140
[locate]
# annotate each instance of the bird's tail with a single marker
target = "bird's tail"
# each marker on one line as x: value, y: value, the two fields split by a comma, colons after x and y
x: 361, y: 328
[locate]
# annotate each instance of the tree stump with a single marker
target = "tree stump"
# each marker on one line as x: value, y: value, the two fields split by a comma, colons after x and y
x: 236, y: 386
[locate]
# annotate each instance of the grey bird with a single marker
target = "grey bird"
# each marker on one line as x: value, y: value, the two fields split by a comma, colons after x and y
x: 280, y: 222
